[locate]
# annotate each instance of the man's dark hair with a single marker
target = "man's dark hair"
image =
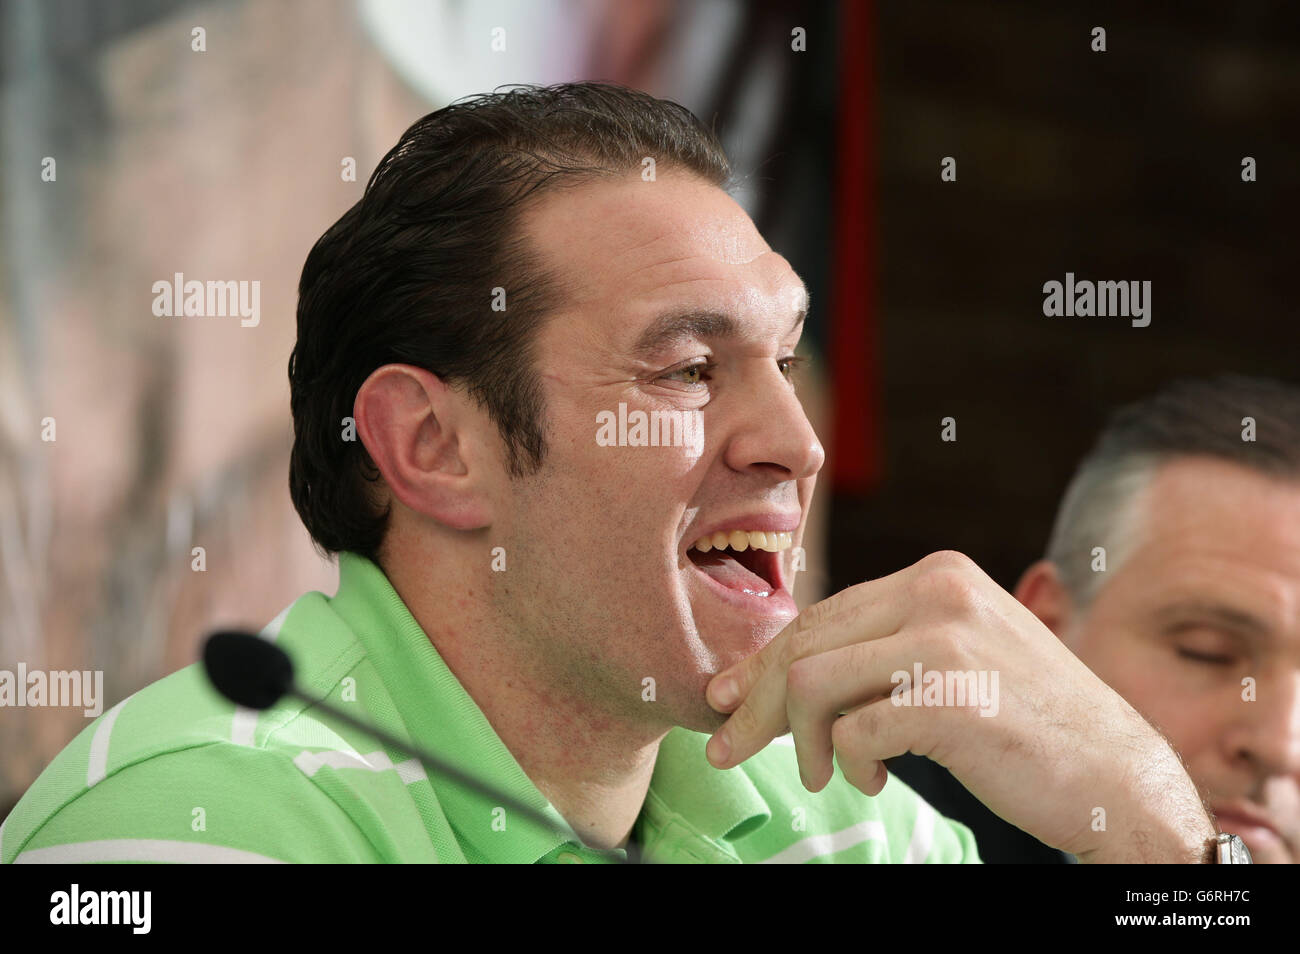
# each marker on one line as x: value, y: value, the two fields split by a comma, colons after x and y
x: 408, y: 274
x: 1190, y: 418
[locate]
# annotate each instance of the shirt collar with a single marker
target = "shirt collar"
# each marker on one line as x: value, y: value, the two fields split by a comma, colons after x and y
x: 440, y: 716
x: 689, y: 801
x: 696, y: 808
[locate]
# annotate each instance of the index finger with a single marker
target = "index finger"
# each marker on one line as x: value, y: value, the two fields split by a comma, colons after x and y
x: 860, y: 613
x: 728, y: 688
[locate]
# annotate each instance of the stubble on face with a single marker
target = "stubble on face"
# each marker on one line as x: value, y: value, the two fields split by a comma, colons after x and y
x: 596, y: 586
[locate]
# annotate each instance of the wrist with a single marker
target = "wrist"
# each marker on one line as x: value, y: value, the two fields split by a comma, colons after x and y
x: 1159, y: 818
x: 1164, y: 835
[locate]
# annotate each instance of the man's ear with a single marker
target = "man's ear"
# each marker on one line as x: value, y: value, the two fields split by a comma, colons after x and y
x: 1042, y: 591
x: 429, y: 444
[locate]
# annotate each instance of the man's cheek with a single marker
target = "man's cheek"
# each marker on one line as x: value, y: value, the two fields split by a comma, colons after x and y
x: 1182, y: 713
x: 1117, y: 662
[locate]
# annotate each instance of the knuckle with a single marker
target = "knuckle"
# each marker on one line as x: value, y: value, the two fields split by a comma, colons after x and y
x: 958, y: 649
x: 949, y: 586
x: 803, y: 642
x: 840, y: 736
x: 941, y: 644
x: 754, y: 668
x: 744, y: 719
x: 848, y: 730
x: 948, y: 559
x: 816, y: 614
x: 800, y: 681
x: 830, y: 607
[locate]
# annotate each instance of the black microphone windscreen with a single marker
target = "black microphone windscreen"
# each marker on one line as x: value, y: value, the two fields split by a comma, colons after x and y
x: 247, y: 669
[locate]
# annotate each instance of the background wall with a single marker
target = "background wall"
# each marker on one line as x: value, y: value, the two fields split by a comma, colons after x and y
x: 1117, y: 165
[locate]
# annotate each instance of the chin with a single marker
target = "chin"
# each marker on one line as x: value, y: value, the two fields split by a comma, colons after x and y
x: 694, y: 711
x: 702, y: 718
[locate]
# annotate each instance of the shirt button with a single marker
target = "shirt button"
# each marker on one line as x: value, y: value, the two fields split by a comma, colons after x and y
x: 568, y: 858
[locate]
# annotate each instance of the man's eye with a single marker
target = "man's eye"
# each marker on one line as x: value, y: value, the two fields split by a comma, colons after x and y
x: 1213, y: 659
x: 789, y: 365
x: 691, y: 374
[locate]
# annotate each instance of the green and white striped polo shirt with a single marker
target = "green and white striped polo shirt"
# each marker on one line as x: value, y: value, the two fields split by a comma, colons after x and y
x: 176, y: 773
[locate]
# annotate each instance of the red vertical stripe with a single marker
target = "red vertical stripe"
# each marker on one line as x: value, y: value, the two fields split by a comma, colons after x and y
x: 853, y: 342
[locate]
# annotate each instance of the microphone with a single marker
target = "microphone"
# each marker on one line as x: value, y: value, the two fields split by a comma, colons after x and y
x: 255, y: 673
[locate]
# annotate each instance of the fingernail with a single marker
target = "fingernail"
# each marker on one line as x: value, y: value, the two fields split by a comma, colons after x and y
x: 718, y: 748
x: 726, y: 692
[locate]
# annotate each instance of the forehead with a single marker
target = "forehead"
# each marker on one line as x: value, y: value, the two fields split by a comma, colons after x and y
x: 1223, y: 506
x: 627, y: 249
x: 1207, y: 523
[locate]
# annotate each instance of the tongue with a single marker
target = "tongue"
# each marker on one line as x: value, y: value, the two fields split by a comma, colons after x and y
x: 728, y: 571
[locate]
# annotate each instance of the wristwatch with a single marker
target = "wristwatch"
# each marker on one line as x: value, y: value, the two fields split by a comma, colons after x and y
x: 1228, y: 849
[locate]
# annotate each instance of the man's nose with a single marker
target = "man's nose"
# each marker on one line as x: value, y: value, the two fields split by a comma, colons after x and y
x: 773, y: 432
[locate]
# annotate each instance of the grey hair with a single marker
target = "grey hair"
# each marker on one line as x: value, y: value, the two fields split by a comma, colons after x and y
x: 1100, y: 509
x: 1190, y: 418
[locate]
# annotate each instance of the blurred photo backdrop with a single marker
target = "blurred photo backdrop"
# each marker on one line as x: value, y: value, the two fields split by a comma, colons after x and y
x: 143, y: 458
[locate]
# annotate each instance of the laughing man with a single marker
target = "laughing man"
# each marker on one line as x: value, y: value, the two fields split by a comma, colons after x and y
x: 604, y: 632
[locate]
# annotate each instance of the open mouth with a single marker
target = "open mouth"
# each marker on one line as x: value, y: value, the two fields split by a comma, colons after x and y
x: 745, y: 561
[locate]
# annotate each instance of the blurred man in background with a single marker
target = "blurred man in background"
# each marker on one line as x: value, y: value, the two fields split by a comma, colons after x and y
x: 1173, y: 571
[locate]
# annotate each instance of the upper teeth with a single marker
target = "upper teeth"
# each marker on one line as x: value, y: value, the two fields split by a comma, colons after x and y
x: 741, y: 540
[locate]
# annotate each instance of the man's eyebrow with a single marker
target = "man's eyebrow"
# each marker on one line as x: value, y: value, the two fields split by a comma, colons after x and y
x: 674, y: 326
x: 1176, y: 615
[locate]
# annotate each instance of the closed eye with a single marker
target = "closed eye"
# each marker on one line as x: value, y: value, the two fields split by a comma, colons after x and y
x: 1213, y: 659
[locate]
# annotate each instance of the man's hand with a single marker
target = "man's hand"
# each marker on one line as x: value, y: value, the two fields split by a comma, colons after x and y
x: 1059, y: 745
